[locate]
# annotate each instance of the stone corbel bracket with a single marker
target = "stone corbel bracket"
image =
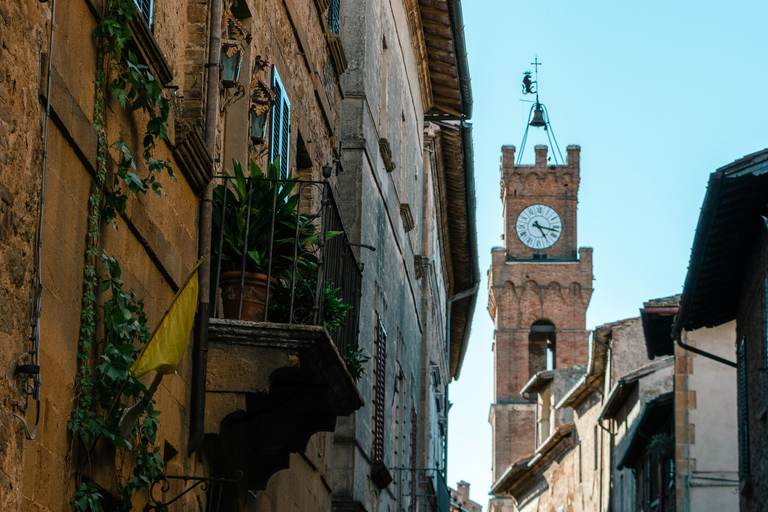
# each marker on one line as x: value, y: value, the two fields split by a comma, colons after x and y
x: 270, y: 387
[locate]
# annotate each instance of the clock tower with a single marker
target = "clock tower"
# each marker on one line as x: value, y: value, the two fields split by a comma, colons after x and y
x: 540, y: 284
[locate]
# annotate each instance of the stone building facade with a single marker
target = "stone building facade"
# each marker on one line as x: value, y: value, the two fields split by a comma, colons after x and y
x: 355, y: 90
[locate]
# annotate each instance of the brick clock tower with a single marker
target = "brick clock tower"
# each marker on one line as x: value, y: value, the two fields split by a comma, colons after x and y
x: 540, y: 284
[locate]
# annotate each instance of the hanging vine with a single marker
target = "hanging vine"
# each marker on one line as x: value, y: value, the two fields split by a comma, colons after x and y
x: 105, y: 356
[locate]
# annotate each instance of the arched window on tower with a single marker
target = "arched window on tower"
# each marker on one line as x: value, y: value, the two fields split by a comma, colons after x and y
x: 541, y: 347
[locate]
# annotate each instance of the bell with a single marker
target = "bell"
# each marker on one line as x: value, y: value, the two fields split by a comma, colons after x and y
x: 537, y: 117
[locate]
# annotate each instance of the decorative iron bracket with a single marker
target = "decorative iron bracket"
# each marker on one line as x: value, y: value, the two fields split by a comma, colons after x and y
x: 202, y: 482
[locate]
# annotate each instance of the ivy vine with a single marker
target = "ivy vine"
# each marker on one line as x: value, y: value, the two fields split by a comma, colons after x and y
x: 103, y: 384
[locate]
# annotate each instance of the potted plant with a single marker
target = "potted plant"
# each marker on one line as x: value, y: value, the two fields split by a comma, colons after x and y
x: 253, y: 203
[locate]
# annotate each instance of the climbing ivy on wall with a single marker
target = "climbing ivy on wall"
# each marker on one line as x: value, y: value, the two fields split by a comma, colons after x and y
x: 106, y: 352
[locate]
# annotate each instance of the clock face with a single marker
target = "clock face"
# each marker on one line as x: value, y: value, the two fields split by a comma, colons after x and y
x: 538, y: 226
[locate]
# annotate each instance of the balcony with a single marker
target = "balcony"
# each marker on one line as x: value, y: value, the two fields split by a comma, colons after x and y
x: 422, y: 490
x: 276, y: 371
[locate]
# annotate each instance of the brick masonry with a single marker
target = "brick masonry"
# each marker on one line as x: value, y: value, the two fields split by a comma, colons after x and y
x: 523, y: 290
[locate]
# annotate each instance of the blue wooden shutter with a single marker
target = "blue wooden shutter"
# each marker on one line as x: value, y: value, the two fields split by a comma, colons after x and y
x: 145, y: 8
x: 281, y: 125
x: 334, y: 15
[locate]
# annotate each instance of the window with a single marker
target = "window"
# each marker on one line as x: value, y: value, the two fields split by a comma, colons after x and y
x: 145, y: 8
x: 334, y: 16
x: 743, y: 409
x: 378, y: 391
x: 281, y: 125
x: 597, y: 447
x: 541, y: 347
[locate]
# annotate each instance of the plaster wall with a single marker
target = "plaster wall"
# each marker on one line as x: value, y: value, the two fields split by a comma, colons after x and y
x: 706, y: 422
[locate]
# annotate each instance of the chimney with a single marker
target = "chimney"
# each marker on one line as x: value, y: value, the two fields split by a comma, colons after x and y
x: 464, y: 486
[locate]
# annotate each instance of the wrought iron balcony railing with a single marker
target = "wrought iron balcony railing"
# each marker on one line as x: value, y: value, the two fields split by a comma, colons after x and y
x: 280, y: 254
x: 422, y: 490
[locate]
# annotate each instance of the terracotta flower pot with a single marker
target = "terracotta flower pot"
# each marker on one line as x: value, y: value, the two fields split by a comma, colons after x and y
x: 254, y: 295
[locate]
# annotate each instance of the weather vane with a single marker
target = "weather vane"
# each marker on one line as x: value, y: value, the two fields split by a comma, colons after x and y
x: 538, y: 116
x: 530, y: 86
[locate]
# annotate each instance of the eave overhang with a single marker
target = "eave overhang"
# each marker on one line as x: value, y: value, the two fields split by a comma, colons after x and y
x: 538, y: 382
x: 729, y: 224
x: 459, y: 213
x: 652, y: 420
x: 658, y: 317
x: 442, y: 23
x: 595, y: 374
x: 519, y: 477
x: 624, y: 386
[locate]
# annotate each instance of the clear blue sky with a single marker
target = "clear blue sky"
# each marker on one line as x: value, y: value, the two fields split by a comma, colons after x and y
x: 658, y: 94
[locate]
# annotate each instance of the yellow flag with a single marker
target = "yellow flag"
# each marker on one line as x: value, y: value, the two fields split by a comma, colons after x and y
x: 164, y: 349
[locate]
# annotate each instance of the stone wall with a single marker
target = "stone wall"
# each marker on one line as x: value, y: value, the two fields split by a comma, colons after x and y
x: 155, y: 241
x: 24, y: 33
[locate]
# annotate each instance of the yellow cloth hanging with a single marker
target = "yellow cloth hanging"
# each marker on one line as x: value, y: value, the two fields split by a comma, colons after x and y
x: 165, y: 347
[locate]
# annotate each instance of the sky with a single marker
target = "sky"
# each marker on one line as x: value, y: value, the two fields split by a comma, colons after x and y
x: 658, y: 94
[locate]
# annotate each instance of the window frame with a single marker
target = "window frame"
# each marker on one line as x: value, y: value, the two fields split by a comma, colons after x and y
x: 280, y: 129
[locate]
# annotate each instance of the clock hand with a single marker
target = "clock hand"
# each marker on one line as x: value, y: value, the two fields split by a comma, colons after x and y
x: 536, y: 225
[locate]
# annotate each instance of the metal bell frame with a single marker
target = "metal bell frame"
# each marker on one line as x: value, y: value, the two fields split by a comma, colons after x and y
x: 538, y: 117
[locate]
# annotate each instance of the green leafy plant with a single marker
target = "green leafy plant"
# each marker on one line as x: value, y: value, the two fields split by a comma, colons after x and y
x: 88, y: 497
x: 333, y: 311
x: 355, y: 361
x: 102, y: 380
x: 252, y: 203
x: 661, y: 445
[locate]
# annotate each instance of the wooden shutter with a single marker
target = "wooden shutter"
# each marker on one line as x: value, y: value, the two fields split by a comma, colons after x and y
x: 743, y: 408
x: 334, y: 15
x: 378, y: 391
x: 281, y: 125
x: 145, y: 8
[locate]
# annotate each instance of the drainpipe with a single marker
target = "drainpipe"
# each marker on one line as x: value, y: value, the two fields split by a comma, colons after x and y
x: 32, y: 370
x: 200, y: 351
x: 448, y: 305
x: 679, y: 340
